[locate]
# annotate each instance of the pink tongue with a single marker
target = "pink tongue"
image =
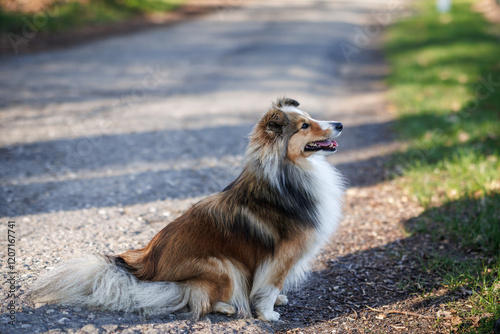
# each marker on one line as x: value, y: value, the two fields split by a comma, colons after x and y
x: 326, y: 143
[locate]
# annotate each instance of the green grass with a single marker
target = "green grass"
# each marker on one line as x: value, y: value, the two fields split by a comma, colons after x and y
x: 445, y: 85
x: 480, y: 280
x: 62, y: 16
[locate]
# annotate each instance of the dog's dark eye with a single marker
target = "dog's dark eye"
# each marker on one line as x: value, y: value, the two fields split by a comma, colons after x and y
x: 305, y: 126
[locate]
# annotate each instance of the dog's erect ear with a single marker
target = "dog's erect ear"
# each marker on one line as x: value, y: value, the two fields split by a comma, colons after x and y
x: 274, y: 121
x: 286, y: 101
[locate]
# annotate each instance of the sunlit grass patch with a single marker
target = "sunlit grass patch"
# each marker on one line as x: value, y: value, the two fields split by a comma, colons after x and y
x: 445, y: 85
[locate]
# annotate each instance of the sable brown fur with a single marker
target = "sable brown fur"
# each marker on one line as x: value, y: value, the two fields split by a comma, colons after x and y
x: 242, y: 246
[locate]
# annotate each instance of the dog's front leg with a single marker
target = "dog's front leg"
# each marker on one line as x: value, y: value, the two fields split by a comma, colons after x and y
x: 267, y: 284
x: 281, y: 300
x: 264, y: 300
x: 270, y: 276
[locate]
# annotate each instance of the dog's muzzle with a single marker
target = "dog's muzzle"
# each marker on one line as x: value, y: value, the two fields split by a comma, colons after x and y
x: 337, y: 128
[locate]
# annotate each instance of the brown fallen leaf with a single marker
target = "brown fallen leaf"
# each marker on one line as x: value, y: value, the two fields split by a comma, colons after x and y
x: 475, y: 321
x: 456, y: 320
x: 443, y: 314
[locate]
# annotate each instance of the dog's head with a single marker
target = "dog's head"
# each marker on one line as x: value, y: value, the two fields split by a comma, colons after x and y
x: 290, y: 132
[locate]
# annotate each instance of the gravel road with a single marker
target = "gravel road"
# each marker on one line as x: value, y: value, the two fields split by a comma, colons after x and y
x: 105, y: 143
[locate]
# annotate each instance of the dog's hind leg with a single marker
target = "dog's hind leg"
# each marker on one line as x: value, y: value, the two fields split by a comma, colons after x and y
x: 224, y: 308
x: 220, y: 287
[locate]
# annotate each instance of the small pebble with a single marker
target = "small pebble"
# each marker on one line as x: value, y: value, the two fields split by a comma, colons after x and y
x: 90, y: 329
x: 110, y: 328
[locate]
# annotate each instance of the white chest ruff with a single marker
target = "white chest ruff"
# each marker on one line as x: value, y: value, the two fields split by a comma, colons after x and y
x: 329, y: 189
x: 328, y: 186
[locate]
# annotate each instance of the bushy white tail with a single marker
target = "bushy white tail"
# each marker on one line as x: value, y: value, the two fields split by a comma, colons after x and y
x: 97, y: 282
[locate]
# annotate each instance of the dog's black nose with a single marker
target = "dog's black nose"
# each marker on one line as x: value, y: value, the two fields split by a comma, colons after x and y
x: 337, y: 126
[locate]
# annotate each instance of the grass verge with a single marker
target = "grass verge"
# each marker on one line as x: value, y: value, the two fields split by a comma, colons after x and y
x: 445, y: 85
x: 68, y: 15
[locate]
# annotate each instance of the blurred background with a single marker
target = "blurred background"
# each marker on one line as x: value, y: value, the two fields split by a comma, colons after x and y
x: 123, y: 108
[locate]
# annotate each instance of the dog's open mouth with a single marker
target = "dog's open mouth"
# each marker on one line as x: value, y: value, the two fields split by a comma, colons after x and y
x: 326, y: 145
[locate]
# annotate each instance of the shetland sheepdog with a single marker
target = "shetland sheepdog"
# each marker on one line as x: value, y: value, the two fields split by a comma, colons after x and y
x: 233, y: 252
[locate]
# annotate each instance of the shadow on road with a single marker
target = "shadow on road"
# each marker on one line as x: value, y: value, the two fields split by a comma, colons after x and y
x: 126, y: 169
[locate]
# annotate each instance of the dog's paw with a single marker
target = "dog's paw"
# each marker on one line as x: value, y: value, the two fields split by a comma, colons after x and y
x: 269, y: 316
x: 224, y: 308
x: 281, y: 300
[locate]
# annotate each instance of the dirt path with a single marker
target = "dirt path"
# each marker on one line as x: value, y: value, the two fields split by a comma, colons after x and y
x: 105, y: 143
